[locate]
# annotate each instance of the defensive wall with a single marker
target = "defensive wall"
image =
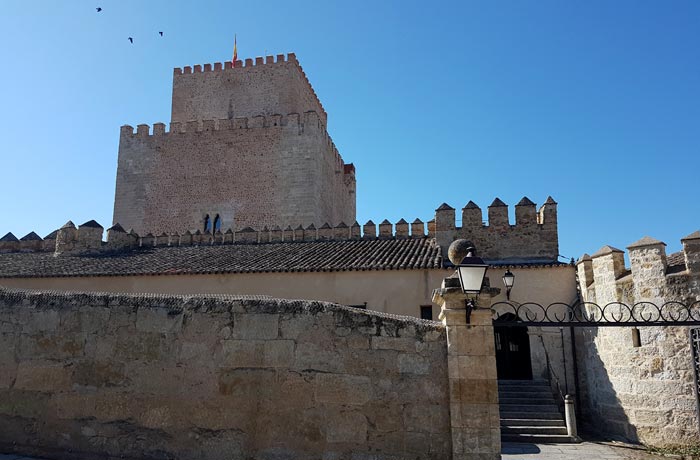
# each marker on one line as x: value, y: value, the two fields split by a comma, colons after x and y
x: 534, y: 236
x: 644, y: 391
x: 218, y: 377
x: 259, y: 171
x: 263, y: 86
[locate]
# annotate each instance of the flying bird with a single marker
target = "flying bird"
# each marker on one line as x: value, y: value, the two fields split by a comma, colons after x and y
x: 98, y: 9
x: 161, y: 33
x: 131, y: 40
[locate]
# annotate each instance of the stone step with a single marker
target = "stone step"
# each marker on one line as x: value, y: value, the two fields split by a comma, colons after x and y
x: 523, y: 383
x: 531, y: 408
x: 505, y: 429
x: 514, y: 413
x: 537, y: 438
x: 532, y: 422
x: 526, y: 394
x: 529, y: 401
x: 525, y: 388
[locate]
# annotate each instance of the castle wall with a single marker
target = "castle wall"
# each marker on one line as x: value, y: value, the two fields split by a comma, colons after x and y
x: 252, y: 88
x: 152, y: 377
x: 645, y: 394
x: 534, y: 236
x: 259, y: 171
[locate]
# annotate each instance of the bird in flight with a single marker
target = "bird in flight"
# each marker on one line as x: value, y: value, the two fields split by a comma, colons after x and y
x: 98, y: 9
x: 131, y: 40
x: 161, y: 33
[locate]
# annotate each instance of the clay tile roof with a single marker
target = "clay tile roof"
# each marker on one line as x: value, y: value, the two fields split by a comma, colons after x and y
x: 471, y: 205
x: 52, y: 235
x: 605, y: 250
x: 91, y: 224
x: 497, y: 203
x: 385, y: 222
x: 69, y: 224
x: 355, y: 224
x: 676, y: 259
x: 402, y: 221
x: 298, y: 256
x: 417, y: 221
x: 31, y: 236
x: 369, y: 222
x: 550, y: 200
x: 646, y: 241
x: 9, y: 237
x: 116, y: 228
x: 525, y: 202
x: 585, y: 256
x: 445, y: 207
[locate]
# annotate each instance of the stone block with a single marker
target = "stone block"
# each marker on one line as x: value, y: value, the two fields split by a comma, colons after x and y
x: 477, y: 367
x: 257, y: 353
x: 345, y: 426
x: 413, y: 364
x: 43, y: 376
x: 393, y: 343
x: 69, y: 406
x: 41, y: 321
x: 342, y: 389
x: 158, y: 320
x: 255, y: 326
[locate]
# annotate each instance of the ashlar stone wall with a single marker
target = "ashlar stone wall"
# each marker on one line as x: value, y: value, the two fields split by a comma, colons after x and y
x: 218, y: 377
x: 642, y: 393
x: 257, y: 172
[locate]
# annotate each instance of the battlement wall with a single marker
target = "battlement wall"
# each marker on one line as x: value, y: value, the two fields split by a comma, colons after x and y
x: 235, y: 232
x: 250, y: 88
x: 640, y: 381
x: 262, y: 170
x: 533, y: 236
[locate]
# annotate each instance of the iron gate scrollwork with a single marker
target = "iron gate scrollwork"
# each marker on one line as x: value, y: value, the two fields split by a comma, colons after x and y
x: 589, y: 314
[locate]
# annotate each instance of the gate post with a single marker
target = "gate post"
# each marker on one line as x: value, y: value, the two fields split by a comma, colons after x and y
x: 471, y: 364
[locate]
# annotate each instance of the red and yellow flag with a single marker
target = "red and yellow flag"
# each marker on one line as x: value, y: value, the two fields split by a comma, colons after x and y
x: 235, y: 52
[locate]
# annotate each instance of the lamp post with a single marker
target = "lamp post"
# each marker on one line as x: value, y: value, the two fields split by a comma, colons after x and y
x: 472, y: 271
x: 508, y: 281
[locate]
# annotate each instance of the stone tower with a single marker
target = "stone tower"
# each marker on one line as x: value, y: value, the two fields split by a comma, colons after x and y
x: 247, y: 144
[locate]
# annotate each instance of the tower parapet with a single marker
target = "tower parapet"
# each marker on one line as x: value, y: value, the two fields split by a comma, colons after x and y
x: 251, y: 87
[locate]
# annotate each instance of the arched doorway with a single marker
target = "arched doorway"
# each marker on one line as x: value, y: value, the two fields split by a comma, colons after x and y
x: 512, y: 350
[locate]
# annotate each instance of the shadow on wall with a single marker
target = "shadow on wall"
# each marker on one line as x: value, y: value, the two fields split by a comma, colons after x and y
x: 601, y: 414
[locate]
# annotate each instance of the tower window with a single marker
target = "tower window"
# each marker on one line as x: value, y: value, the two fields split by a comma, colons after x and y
x: 426, y: 312
x: 207, y: 223
x: 217, y: 223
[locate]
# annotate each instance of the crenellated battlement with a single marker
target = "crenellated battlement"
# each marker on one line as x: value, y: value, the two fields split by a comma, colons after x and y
x: 651, y: 277
x: 268, y: 62
x: 534, y: 234
x: 532, y: 239
x: 308, y: 122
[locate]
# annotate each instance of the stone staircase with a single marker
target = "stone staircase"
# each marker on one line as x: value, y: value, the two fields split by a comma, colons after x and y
x: 529, y: 413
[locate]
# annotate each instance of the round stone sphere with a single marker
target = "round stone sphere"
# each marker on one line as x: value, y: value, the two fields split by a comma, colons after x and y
x: 458, y: 250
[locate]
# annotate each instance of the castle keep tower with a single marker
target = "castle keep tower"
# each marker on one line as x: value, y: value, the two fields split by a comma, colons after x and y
x: 246, y: 143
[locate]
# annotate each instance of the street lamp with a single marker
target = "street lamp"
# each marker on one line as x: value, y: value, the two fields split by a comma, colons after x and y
x: 508, y: 280
x: 472, y: 271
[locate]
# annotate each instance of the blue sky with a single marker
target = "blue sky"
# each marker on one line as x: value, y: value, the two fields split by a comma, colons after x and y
x: 596, y: 103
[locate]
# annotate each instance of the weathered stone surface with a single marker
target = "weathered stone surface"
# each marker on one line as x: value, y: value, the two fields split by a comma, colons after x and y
x: 164, y: 377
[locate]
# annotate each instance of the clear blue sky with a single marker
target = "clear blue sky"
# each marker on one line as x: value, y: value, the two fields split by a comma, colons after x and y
x: 596, y: 103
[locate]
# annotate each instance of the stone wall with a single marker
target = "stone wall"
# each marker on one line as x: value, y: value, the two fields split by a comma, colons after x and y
x: 533, y: 236
x: 261, y: 171
x: 646, y: 393
x: 251, y: 88
x: 148, y: 376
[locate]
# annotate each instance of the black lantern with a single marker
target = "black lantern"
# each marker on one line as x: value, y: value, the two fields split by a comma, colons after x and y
x: 508, y: 281
x: 472, y: 271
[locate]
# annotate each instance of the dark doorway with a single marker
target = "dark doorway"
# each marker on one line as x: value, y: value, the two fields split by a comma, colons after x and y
x: 512, y: 350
